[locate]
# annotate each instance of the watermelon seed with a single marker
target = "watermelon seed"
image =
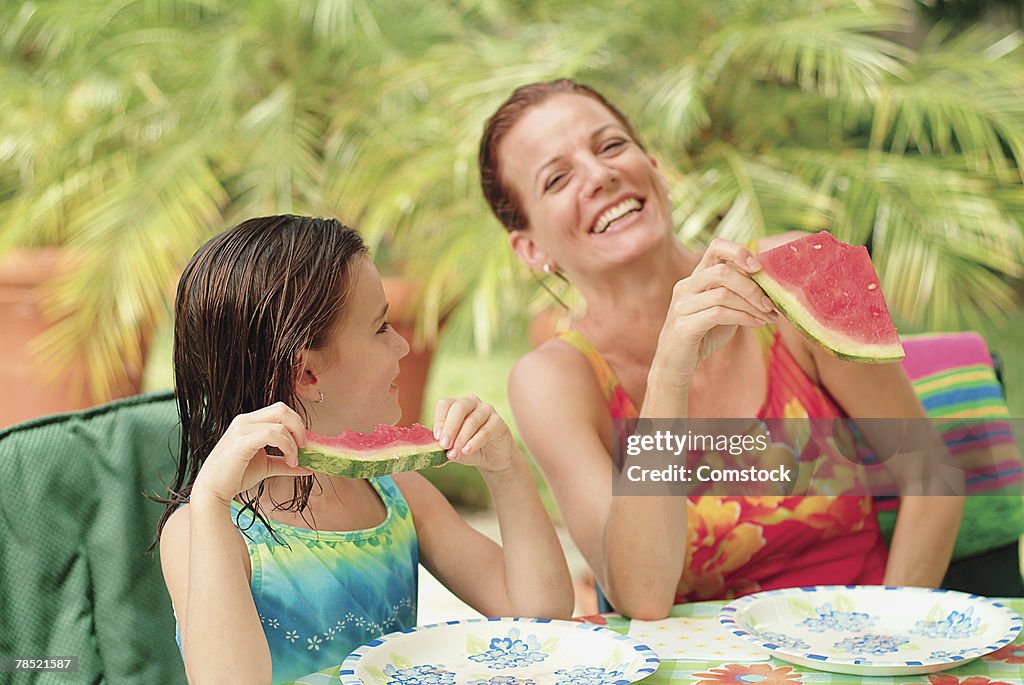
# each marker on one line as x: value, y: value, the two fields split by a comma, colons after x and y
x: 817, y: 247
x: 872, y: 286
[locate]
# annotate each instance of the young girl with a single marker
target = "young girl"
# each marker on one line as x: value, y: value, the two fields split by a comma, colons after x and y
x: 275, y: 572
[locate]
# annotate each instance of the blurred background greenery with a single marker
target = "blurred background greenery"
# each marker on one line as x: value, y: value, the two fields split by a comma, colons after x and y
x: 133, y: 130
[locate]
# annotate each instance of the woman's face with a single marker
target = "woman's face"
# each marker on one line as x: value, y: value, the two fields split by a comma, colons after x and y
x: 358, y: 370
x: 591, y: 196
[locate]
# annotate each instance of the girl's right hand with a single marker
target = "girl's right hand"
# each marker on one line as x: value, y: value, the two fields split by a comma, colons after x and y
x: 239, y: 461
x: 708, y: 305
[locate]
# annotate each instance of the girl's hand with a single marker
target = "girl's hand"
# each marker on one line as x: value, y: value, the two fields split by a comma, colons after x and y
x: 474, y: 434
x: 708, y: 305
x: 239, y: 461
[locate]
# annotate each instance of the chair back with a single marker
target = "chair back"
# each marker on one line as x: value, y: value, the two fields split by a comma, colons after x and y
x: 75, y: 579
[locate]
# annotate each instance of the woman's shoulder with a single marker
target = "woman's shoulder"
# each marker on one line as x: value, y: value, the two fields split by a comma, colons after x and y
x: 555, y: 364
x: 556, y: 379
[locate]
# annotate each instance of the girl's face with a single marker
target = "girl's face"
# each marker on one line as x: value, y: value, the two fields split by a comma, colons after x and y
x: 358, y: 370
x: 591, y: 196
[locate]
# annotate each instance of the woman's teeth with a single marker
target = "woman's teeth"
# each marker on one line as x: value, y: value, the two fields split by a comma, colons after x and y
x: 615, y: 213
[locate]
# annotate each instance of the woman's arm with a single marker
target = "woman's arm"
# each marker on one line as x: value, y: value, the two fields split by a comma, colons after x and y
x: 527, y: 574
x: 636, y: 545
x: 927, y: 525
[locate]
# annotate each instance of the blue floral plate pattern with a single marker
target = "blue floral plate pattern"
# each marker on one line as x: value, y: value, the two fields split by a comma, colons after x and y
x: 872, y: 630
x: 500, y: 651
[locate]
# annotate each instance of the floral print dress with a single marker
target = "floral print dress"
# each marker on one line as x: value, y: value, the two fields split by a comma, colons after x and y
x: 740, y: 545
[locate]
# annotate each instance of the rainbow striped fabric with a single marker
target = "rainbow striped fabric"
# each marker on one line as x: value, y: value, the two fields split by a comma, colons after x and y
x: 953, y: 375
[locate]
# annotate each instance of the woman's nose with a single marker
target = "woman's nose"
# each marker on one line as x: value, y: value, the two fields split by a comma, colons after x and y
x: 598, y: 176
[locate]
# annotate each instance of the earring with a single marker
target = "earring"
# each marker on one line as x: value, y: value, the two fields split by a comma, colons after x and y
x: 319, y: 401
x: 547, y: 269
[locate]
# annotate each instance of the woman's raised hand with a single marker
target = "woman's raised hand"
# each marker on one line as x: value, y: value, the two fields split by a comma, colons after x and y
x: 239, y: 460
x: 708, y: 305
x: 474, y: 434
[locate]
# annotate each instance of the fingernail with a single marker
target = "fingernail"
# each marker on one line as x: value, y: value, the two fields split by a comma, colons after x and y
x: 767, y: 305
x: 437, y: 433
x: 451, y: 455
x: 445, y: 441
x: 753, y: 264
x: 466, y: 449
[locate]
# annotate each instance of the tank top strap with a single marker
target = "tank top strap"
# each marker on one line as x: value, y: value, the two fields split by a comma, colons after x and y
x: 620, y: 406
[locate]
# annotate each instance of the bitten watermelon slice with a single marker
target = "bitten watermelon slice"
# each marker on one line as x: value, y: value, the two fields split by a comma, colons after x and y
x: 830, y: 291
x: 388, y: 449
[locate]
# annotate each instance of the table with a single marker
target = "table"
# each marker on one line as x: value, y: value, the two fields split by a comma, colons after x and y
x: 1005, y: 667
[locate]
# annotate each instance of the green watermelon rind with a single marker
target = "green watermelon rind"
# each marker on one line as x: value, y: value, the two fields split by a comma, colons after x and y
x: 835, y: 343
x: 403, y: 458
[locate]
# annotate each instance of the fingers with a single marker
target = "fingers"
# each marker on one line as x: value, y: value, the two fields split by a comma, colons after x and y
x: 470, y: 429
x: 276, y: 435
x: 725, y: 276
x: 724, y: 299
x: 491, y: 429
x: 718, y: 315
x: 466, y: 424
x: 461, y: 418
x: 725, y: 251
x: 279, y: 412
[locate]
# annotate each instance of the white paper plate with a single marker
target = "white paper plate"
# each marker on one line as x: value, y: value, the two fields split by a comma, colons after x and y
x: 872, y: 630
x: 500, y: 651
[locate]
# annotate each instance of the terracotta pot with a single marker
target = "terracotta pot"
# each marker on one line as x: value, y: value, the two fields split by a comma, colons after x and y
x: 402, y: 294
x: 28, y: 393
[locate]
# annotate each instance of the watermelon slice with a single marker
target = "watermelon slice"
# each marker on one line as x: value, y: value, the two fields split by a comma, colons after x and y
x: 830, y: 291
x: 388, y: 449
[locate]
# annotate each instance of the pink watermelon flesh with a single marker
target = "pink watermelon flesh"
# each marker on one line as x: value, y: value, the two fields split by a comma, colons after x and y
x: 389, y: 449
x: 830, y: 291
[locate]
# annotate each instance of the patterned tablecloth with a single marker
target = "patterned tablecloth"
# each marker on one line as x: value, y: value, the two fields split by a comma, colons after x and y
x: 1004, y: 667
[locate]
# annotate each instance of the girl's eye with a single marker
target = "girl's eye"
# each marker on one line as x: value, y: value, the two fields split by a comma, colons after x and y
x: 384, y: 327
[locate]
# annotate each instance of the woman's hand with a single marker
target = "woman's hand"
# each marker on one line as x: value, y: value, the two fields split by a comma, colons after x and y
x: 239, y: 460
x: 706, y: 308
x: 474, y: 434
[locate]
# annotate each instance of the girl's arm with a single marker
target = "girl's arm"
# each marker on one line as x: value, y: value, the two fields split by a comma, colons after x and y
x: 204, y: 559
x: 527, y: 574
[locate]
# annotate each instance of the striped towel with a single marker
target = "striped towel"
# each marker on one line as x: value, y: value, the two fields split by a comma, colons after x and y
x: 953, y: 375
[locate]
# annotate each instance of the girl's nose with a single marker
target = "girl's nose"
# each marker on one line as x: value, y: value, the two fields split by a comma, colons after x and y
x: 401, y: 344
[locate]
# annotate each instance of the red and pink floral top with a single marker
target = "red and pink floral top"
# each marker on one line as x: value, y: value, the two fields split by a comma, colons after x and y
x: 740, y: 545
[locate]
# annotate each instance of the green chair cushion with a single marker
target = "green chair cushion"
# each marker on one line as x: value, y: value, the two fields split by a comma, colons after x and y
x: 75, y: 579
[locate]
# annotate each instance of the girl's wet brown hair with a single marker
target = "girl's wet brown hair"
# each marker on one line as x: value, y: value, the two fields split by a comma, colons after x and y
x: 502, y: 199
x: 247, y: 303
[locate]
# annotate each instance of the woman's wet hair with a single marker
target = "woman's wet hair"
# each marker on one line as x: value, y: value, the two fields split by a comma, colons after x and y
x: 500, y: 197
x: 250, y: 300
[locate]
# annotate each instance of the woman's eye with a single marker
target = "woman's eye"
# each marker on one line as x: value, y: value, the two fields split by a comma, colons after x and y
x: 384, y: 327
x: 613, y: 145
x: 553, y: 181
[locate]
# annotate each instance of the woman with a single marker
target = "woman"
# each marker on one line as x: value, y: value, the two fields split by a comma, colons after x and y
x: 669, y: 332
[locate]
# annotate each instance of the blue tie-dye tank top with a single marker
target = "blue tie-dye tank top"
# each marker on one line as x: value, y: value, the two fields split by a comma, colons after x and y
x: 326, y: 593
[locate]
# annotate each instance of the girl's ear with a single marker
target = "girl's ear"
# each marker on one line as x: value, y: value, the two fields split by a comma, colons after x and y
x: 527, y: 250
x: 306, y: 382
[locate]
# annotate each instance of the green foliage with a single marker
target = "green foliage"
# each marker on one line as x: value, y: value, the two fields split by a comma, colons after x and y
x: 135, y: 129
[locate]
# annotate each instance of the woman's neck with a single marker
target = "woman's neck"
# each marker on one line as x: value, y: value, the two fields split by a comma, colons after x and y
x: 638, y: 293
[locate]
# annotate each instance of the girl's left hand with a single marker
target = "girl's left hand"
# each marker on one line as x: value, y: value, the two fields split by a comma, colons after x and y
x: 474, y: 434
